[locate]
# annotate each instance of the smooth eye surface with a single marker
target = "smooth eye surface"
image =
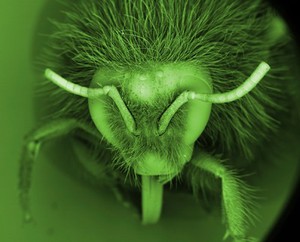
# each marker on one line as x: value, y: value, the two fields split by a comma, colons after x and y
x: 197, y: 115
x: 98, y: 107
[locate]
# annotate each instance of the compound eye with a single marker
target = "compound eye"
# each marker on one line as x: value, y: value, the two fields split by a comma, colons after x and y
x: 191, y: 80
x: 100, y: 108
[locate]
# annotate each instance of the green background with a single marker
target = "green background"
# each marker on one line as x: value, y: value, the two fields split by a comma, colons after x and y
x: 67, y: 210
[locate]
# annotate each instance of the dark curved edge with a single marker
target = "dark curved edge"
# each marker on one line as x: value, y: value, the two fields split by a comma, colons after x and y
x: 286, y: 227
x: 288, y: 10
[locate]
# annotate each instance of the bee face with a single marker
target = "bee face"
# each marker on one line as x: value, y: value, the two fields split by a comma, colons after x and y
x: 148, y: 91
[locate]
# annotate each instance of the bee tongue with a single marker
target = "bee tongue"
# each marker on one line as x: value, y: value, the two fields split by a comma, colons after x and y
x: 152, y: 193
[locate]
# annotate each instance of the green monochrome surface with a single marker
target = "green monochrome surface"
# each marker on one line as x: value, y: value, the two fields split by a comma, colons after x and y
x: 68, y: 209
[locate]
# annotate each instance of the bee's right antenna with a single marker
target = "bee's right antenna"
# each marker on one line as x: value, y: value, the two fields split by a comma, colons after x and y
x: 226, y: 97
x: 237, y: 93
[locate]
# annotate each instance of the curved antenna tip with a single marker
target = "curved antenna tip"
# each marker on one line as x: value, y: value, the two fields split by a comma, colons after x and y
x: 238, y: 92
x: 265, y: 66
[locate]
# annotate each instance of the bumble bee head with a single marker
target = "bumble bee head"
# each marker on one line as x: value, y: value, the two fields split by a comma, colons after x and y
x: 153, y: 114
x: 164, y: 124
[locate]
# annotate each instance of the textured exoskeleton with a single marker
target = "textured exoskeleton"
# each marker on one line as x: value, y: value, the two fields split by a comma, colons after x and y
x: 173, y: 89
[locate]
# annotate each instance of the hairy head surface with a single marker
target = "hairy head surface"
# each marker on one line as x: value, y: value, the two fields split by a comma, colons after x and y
x: 226, y: 38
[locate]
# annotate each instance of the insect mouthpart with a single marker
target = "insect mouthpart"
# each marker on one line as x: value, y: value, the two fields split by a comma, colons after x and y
x: 153, y: 165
